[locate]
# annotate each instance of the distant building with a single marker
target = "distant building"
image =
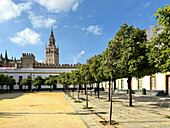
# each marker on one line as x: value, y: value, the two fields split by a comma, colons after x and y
x: 28, y: 66
x: 52, y: 53
x: 28, y: 59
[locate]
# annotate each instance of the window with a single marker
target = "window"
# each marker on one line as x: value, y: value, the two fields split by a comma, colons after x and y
x: 122, y: 84
x: 153, y: 83
x: 20, y: 78
x: 139, y: 83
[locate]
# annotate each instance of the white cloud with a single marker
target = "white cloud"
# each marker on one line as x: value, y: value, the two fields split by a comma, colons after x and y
x: 95, y: 29
x: 75, y: 6
x: 146, y: 4
x: 60, y: 5
x: 40, y: 61
x: 9, y: 9
x: 40, y: 21
x: 26, y: 36
x: 66, y: 26
x: 71, y: 27
x: 83, y: 28
x: 75, y: 58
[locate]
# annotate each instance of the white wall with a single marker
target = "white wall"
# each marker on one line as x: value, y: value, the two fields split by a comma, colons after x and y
x: 134, y: 84
x: 160, y: 81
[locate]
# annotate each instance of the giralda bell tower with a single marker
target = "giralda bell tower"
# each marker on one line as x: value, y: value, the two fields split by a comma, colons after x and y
x: 52, y: 53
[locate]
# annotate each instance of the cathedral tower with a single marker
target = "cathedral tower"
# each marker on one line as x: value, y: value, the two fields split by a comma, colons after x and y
x: 52, y: 53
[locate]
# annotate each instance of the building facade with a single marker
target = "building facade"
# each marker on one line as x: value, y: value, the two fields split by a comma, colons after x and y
x: 157, y: 84
x: 28, y: 66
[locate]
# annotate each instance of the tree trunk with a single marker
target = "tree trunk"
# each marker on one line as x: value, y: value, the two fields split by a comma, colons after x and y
x: 1, y: 88
x: 98, y: 90
x: 67, y: 89
x: 78, y: 92
x: 24, y: 89
x: 50, y: 88
x: 109, y: 90
x: 39, y: 88
x: 7, y: 88
x: 129, y: 91
x: 85, y: 89
x: 31, y: 86
x: 73, y: 91
x: 114, y: 85
x: 81, y: 89
x: 110, y: 119
x: 86, y: 95
x: 10, y: 88
x: 91, y: 88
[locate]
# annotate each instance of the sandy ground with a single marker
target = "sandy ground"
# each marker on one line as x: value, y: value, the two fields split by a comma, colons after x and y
x: 37, y: 110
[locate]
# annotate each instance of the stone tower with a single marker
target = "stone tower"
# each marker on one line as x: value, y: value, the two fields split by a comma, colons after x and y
x: 52, y: 53
x: 28, y: 60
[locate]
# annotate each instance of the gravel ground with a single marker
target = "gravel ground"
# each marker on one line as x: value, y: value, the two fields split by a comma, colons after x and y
x: 37, y: 110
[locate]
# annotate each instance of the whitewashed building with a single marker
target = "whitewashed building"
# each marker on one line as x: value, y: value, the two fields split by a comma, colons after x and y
x: 28, y: 66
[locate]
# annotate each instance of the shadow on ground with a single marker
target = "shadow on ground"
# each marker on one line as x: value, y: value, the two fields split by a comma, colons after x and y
x: 10, y: 95
x: 13, y: 115
x: 155, y: 101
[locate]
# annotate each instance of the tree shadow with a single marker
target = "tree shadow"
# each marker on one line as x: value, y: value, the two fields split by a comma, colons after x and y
x: 10, y: 95
x: 15, y: 114
x: 151, y: 100
x: 83, y: 99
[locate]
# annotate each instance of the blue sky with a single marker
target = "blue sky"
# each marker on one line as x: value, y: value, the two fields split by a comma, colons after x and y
x: 82, y: 28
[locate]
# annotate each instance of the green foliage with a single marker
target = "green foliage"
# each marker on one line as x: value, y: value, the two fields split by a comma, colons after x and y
x: 13, y: 82
x: 111, y: 60
x: 95, y: 68
x: 2, y: 79
x: 76, y: 77
x: 159, y: 46
x: 133, y: 60
x: 163, y: 16
x: 5, y: 80
x: 85, y: 72
x: 64, y: 79
x: 25, y: 81
x: 51, y: 80
x: 37, y: 81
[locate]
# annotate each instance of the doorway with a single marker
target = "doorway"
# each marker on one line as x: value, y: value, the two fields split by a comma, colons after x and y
x: 167, y: 84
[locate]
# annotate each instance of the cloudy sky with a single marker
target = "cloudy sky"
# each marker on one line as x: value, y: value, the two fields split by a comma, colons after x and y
x: 82, y: 28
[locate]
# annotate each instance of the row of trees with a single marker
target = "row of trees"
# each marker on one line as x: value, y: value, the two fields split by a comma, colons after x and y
x: 6, y: 80
x: 37, y: 82
x: 128, y: 55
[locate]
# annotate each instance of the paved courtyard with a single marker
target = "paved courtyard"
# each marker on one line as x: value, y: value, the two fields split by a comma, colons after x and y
x: 58, y: 110
x: 146, y: 112
x: 37, y: 110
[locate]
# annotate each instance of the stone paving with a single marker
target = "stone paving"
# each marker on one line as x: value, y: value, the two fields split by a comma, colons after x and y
x: 140, y: 116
